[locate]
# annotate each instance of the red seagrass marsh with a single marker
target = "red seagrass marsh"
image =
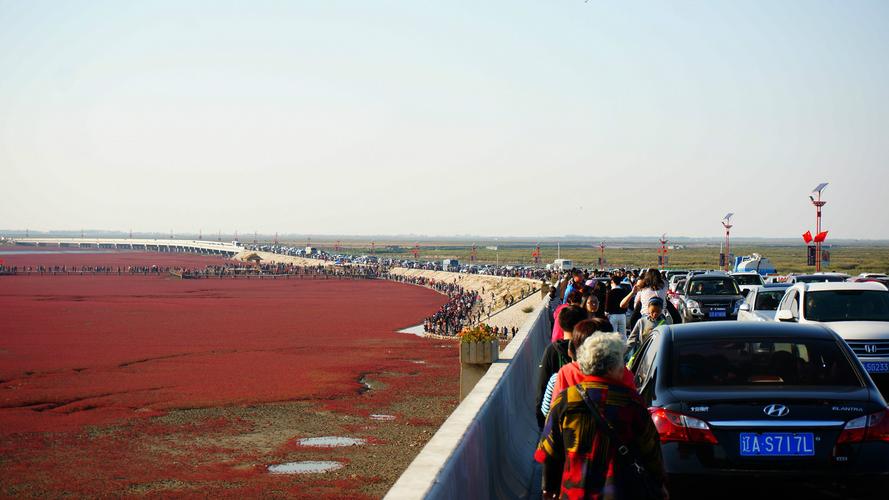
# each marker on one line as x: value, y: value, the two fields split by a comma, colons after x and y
x: 151, y: 385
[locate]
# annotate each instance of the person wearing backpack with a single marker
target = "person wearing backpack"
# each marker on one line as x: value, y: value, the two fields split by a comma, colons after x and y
x: 599, y: 440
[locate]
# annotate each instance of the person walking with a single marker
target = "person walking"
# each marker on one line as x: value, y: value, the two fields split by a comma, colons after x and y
x: 575, y: 298
x: 576, y: 284
x: 555, y: 356
x: 651, y: 284
x: 599, y: 440
x: 614, y: 311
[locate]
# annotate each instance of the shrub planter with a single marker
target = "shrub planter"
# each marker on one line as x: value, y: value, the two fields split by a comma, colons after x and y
x: 479, y: 353
x: 475, y: 359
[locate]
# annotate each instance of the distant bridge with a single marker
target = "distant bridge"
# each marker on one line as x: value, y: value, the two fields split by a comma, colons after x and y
x: 153, y: 245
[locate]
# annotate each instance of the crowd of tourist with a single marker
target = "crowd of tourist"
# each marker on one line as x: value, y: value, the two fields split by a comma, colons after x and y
x: 461, y: 309
x: 231, y: 269
x: 458, y: 312
x: 464, y: 307
x: 82, y: 270
x: 597, y: 438
x: 274, y: 270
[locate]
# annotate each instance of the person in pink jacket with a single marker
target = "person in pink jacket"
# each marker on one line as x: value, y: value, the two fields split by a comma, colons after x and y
x: 575, y: 298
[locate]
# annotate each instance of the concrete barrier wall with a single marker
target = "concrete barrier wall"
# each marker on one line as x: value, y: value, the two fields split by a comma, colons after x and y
x: 485, y: 448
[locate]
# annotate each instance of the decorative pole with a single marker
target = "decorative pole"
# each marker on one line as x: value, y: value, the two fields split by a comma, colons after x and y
x: 662, y: 252
x: 819, y: 236
x: 727, y: 224
x: 602, y: 254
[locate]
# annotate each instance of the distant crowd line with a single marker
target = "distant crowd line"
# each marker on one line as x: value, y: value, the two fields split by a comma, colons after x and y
x: 227, y: 270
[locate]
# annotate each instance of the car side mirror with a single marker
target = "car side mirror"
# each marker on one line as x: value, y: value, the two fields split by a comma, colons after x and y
x: 784, y: 315
x: 744, y: 307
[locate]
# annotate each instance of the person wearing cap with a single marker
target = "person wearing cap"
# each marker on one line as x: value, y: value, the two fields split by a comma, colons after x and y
x: 642, y: 329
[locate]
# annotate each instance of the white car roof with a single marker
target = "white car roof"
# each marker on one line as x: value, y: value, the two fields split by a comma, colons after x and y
x: 843, y: 285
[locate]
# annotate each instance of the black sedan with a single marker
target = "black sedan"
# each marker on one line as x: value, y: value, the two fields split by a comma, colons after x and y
x: 766, y: 403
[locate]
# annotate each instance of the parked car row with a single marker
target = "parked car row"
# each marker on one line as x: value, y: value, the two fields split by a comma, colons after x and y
x: 790, y: 390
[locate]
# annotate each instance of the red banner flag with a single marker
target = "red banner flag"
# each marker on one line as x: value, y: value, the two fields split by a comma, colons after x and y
x: 820, y: 237
x: 807, y: 237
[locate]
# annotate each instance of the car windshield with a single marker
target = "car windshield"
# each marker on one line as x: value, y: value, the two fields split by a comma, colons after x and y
x: 748, y: 279
x: 736, y: 362
x: 847, y: 305
x: 713, y: 286
x: 768, y: 300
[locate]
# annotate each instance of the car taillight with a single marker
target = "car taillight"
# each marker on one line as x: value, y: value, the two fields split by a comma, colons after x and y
x: 873, y: 427
x: 674, y: 426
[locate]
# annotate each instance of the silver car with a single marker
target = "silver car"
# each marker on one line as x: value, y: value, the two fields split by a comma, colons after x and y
x: 761, y: 302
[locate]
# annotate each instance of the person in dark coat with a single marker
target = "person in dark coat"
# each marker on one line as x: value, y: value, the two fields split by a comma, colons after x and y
x: 556, y: 354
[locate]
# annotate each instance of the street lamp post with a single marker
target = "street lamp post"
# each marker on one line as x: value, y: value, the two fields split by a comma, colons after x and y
x: 816, y: 200
x: 662, y: 259
x: 727, y: 224
x: 602, y: 255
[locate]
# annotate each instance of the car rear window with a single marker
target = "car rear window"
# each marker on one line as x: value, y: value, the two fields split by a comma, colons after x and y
x: 768, y: 300
x: 748, y: 279
x: 713, y: 286
x: 736, y: 362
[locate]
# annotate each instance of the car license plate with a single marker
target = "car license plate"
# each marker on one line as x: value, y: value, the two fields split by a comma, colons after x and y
x: 876, y: 366
x: 777, y: 444
x: 717, y: 314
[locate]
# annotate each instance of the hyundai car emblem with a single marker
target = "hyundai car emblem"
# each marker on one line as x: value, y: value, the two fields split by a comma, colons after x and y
x: 776, y: 410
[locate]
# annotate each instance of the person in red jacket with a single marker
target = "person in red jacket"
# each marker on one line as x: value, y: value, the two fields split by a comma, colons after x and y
x: 571, y: 374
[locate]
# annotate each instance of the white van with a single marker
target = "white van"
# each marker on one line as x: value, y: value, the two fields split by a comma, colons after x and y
x: 563, y: 264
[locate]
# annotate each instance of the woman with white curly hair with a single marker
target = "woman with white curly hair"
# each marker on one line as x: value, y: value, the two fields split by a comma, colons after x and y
x: 594, y: 455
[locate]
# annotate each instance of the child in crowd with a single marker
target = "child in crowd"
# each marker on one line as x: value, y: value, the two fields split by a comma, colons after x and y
x: 646, y: 324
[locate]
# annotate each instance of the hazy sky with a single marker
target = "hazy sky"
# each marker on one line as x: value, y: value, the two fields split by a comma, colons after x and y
x: 497, y: 117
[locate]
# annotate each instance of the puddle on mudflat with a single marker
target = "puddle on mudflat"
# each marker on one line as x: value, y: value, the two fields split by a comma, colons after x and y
x: 331, y: 441
x: 417, y: 361
x: 382, y: 417
x: 305, y: 467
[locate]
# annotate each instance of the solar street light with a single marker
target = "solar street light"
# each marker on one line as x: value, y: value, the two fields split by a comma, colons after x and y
x: 816, y: 200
